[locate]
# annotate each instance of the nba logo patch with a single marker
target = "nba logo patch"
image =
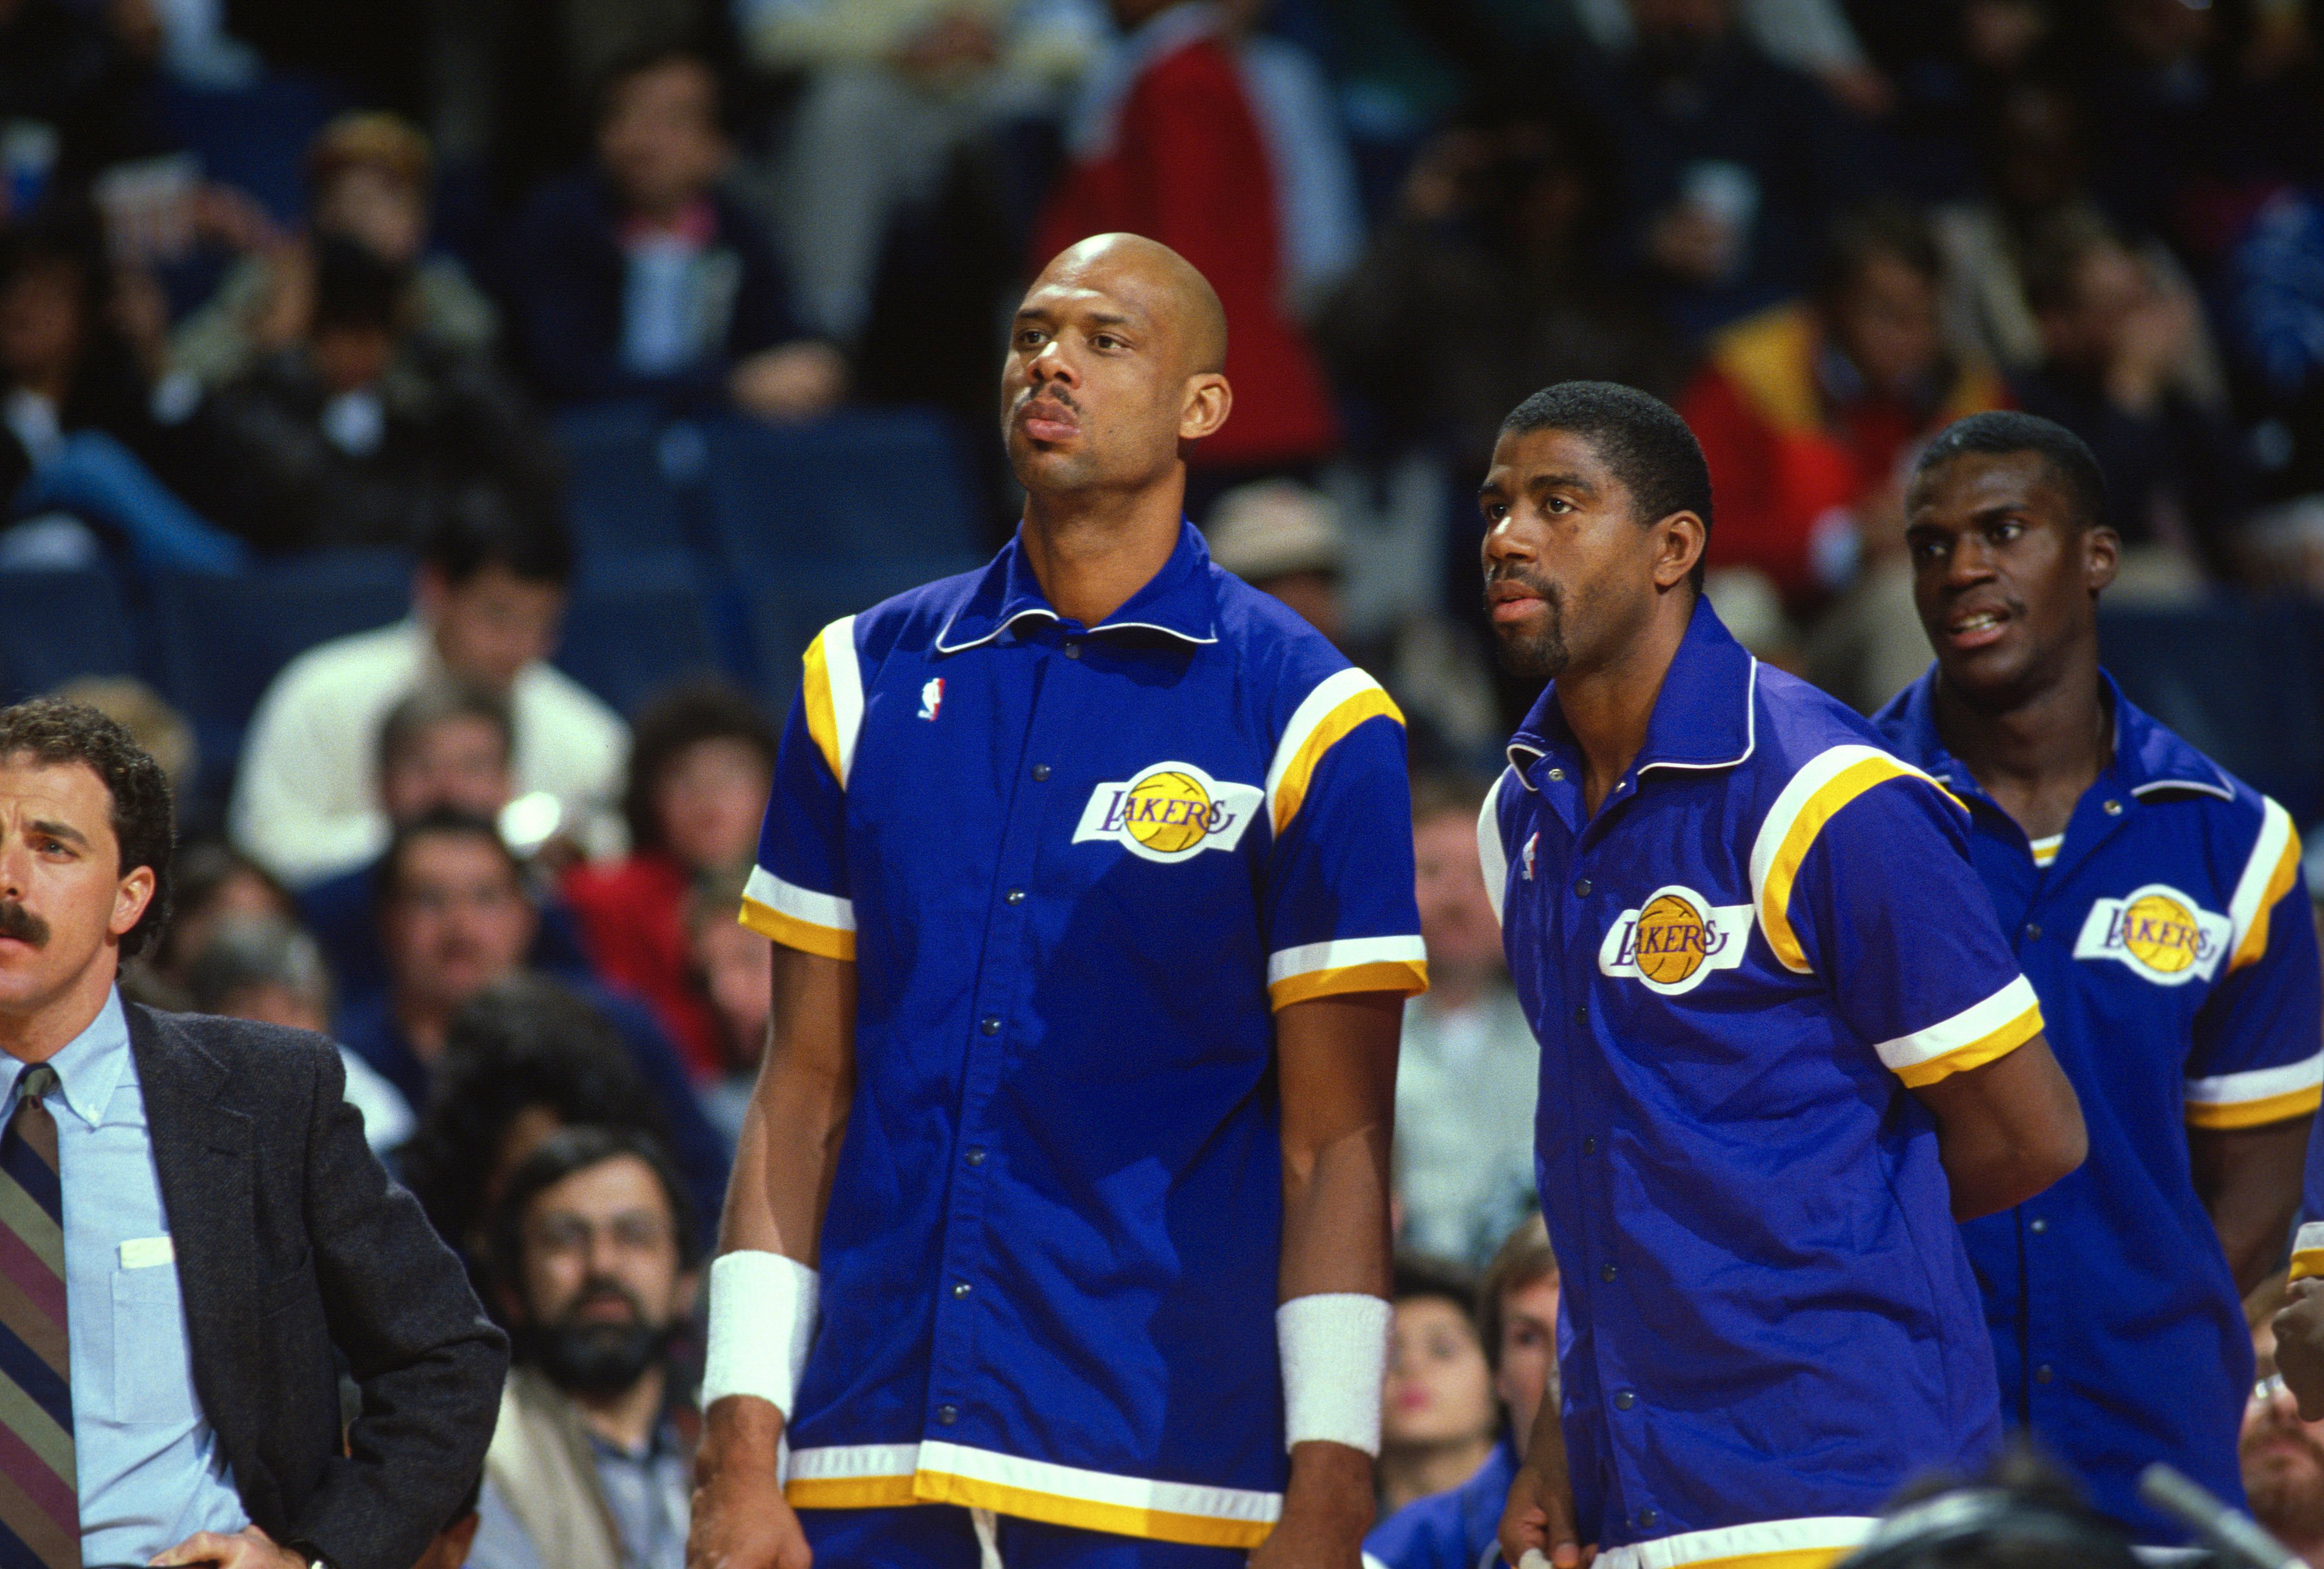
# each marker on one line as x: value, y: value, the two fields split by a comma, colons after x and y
x: 1532, y: 844
x: 932, y: 698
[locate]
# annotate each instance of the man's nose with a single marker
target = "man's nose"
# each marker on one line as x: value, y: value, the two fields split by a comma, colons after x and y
x: 1052, y: 366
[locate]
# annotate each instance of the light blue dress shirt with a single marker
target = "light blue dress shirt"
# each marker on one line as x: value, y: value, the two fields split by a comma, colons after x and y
x: 151, y: 1474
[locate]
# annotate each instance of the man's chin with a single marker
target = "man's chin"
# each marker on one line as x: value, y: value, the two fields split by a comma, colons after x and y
x: 1530, y: 655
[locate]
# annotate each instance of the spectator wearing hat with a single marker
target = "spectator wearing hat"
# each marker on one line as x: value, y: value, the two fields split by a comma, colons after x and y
x: 368, y: 181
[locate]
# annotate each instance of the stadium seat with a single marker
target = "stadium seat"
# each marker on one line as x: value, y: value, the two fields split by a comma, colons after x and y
x: 635, y: 625
x: 57, y: 625
x: 220, y: 641
x: 2243, y: 680
x: 866, y: 485
x: 627, y: 478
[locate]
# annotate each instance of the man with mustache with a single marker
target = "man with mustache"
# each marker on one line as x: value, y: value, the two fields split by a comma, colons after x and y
x: 1782, y: 1044
x: 2156, y: 904
x: 597, y: 1261
x: 2282, y: 1459
x: 1091, y: 878
x: 194, y: 1240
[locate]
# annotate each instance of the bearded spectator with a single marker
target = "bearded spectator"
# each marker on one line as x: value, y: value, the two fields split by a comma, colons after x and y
x: 2283, y: 1456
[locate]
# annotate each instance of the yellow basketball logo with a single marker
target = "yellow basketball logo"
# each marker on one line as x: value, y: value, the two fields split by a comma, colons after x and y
x: 1166, y: 812
x: 2156, y: 932
x: 2160, y: 933
x: 1670, y: 940
x: 1674, y: 941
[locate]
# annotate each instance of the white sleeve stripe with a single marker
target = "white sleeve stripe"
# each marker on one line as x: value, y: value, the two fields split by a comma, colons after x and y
x: 1493, y: 856
x: 1966, y: 1027
x: 1345, y: 954
x: 2257, y: 1083
x: 1329, y: 693
x: 799, y: 903
x: 2244, y: 910
x: 847, y: 689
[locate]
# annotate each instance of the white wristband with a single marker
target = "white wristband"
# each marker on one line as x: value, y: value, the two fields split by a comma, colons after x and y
x: 761, y: 1323
x: 1334, y: 1357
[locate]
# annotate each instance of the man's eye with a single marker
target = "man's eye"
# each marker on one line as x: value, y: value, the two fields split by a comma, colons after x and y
x: 1106, y: 340
x: 1557, y: 505
x: 2004, y: 533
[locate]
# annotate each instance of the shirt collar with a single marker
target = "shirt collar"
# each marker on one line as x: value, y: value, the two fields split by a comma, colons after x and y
x: 1180, y: 600
x: 91, y: 1066
x: 1705, y: 715
x: 2148, y: 758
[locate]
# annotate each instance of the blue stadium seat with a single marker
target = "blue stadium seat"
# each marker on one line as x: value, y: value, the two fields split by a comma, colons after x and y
x: 865, y: 484
x: 635, y: 625
x: 57, y: 625
x: 788, y: 612
x: 219, y: 641
x: 2243, y: 680
x: 627, y: 477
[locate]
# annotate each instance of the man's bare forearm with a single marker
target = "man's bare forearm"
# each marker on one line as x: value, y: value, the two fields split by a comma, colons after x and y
x: 789, y: 1145
x: 2248, y: 1179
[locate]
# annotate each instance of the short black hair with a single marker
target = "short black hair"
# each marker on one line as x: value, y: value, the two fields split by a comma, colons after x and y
x: 444, y: 823
x: 2022, y: 1514
x: 572, y: 1149
x: 438, y: 703
x: 1639, y: 437
x: 1417, y: 1276
x: 2004, y: 432
x: 700, y: 710
x: 1885, y: 227
x: 53, y: 732
x: 521, y: 1043
x: 518, y: 527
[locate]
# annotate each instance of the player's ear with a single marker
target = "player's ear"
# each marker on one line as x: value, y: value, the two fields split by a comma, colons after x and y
x: 1209, y: 399
x: 2101, y: 557
x: 1679, y: 540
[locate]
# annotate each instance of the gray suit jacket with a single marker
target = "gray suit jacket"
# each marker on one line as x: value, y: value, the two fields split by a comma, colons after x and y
x: 291, y: 1245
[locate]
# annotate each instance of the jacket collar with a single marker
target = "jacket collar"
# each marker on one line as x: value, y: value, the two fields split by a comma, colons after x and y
x: 2149, y: 758
x: 1180, y: 600
x: 1705, y: 715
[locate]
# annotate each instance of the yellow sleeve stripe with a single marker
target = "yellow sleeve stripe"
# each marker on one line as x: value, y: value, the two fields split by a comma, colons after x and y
x: 2268, y: 876
x: 798, y: 918
x: 1977, y: 1034
x: 1397, y: 965
x: 2307, y: 1251
x: 831, y: 686
x: 2256, y: 1096
x: 1828, y: 781
x: 1338, y: 705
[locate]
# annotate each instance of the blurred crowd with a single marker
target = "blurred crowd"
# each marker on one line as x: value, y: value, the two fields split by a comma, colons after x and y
x: 280, y: 279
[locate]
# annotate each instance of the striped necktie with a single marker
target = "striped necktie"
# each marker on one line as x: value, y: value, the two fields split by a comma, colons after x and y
x: 39, y: 1510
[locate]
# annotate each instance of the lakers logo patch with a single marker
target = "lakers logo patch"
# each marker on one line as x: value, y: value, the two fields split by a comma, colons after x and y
x: 1674, y: 940
x: 2158, y: 932
x: 1169, y: 812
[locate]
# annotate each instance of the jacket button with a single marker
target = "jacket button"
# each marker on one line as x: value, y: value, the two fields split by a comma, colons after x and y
x: 1606, y: 1274
x: 976, y: 1157
x: 1582, y: 1015
x: 2113, y: 808
x: 1073, y: 650
x: 2042, y: 1375
x: 1557, y: 773
x: 990, y: 1024
x: 962, y: 1288
x: 1624, y: 1400
x: 948, y: 1414
x: 1016, y: 896
x: 1589, y: 1145
x: 1040, y: 770
x: 2040, y: 1226
x: 1650, y: 1518
x: 1581, y: 889
x: 2032, y: 932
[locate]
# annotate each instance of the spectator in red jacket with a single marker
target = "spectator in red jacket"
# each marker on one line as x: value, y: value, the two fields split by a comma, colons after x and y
x: 1167, y: 143
x: 700, y: 769
x: 1804, y: 410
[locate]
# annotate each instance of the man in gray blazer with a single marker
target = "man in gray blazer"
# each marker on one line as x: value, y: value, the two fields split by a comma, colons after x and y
x: 193, y: 1234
